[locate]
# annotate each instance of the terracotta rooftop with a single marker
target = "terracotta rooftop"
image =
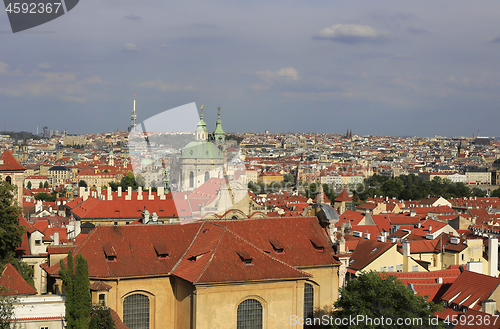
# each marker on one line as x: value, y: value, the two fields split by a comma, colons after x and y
x: 9, y: 162
x: 14, y: 283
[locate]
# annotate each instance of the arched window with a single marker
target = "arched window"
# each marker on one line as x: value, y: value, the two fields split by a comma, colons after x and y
x: 191, y: 179
x: 207, y: 176
x: 308, y: 301
x: 136, y: 311
x: 8, y: 179
x: 249, y: 315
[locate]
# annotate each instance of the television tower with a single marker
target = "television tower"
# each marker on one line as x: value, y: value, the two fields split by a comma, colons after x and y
x: 133, y: 117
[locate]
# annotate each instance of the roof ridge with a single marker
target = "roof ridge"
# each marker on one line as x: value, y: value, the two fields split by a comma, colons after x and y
x: 211, y: 256
x: 187, y: 249
x: 268, y: 255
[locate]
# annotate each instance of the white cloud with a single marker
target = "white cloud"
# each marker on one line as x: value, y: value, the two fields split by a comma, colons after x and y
x: 162, y: 86
x: 351, y: 33
x: 130, y: 47
x: 3, y: 67
x: 285, y: 74
x: 62, y: 85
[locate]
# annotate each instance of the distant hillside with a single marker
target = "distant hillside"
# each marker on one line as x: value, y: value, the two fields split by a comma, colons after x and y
x: 24, y: 135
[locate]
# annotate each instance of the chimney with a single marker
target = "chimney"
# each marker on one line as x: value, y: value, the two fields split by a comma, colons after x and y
x: 110, y: 196
x: 85, y: 195
x: 81, y: 190
x: 119, y: 191
x: 406, y: 256
x: 367, y: 236
x: 139, y: 193
x: 493, y: 257
x: 430, y: 228
x: 145, y: 216
x: 489, y: 306
x: 150, y: 196
x: 56, y: 238
x: 129, y: 193
x: 78, y: 227
x: 406, y: 248
x: 161, y: 192
x: 154, y: 217
x: 413, y: 213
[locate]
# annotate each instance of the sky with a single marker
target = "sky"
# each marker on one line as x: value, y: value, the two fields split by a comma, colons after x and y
x: 401, y: 68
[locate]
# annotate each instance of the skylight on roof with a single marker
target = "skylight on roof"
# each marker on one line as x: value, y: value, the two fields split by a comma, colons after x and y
x: 375, y: 249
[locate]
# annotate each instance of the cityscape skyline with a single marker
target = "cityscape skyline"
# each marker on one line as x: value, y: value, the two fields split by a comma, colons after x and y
x: 388, y: 68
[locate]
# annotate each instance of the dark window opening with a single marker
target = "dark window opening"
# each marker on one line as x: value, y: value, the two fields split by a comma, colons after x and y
x: 308, y: 301
x: 249, y: 315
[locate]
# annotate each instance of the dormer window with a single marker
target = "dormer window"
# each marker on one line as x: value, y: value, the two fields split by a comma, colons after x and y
x: 109, y: 252
x: 161, y: 250
x: 277, y: 246
x: 194, y: 258
x: 245, y: 257
x: 318, y: 244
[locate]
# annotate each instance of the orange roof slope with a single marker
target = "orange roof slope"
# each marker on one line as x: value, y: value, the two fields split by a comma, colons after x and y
x: 471, y: 289
x: 297, y: 235
x: 10, y: 163
x: 343, y: 196
x: 14, y: 283
x: 366, y: 252
x: 218, y: 255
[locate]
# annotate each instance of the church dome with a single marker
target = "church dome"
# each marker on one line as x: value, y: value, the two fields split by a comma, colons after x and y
x: 201, y: 150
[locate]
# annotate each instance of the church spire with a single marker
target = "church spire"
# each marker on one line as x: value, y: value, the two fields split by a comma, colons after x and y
x: 201, y: 129
x: 219, y: 134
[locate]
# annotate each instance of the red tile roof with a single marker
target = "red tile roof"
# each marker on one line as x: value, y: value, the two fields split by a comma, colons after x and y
x: 14, y: 283
x: 343, y: 196
x: 9, y: 162
x: 198, y: 251
x: 366, y: 252
x: 471, y: 288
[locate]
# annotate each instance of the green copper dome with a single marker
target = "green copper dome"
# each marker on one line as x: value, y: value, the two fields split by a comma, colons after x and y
x: 201, y: 150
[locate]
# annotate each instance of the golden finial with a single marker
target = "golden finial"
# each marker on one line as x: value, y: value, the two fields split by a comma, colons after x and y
x: 201, y: 111
x: 219, y: 110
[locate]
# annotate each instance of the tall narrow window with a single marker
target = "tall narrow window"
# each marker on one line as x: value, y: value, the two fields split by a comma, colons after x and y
x: 249, y: 315
x: 136, y: 311
x: 191, y: 179
x: 308, y: 301
x: 8, y: 179
x: 207, y: 176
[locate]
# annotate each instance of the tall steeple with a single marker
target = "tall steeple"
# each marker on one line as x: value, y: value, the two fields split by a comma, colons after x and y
x: 219, y: 134
x: 201, y: 129
x: 133, y: 117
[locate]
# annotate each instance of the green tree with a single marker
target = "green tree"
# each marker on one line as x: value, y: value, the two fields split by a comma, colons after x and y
x: 82, y: 183
x: 81, y: 290
x: 129, y: 180
x: 375, y: 295
x: 496, y: 193
x: 29, y: 185
x: 46, y: 184
x: 11, y: 234
x: 76, y: 285
x: 100, y: 317
x: 40, y: 185
x: 140, y: 180
x: 6, y: 309
x: 67, y: 273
